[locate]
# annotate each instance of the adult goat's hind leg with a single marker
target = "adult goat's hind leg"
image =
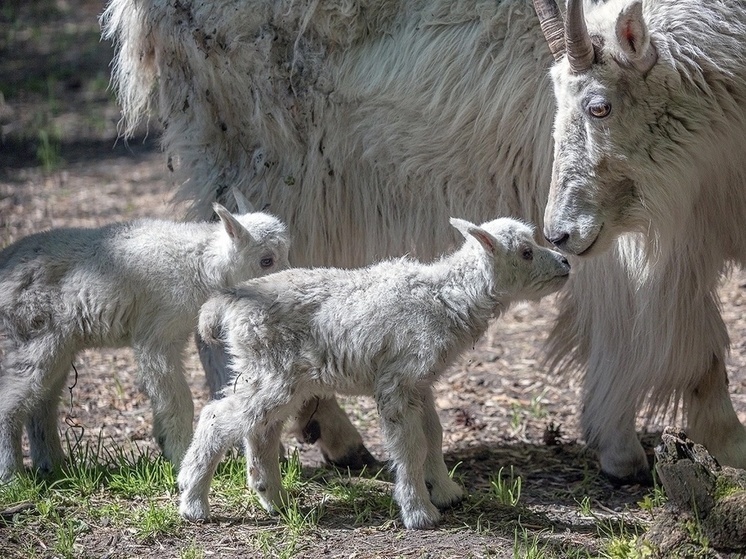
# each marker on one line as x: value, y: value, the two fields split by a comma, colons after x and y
x: 215, y: 363
x: 322, y: 421
x: 711, y: 419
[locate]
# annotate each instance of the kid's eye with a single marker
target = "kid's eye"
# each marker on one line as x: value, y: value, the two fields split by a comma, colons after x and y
x: 267, y: 262
x: 527, y: 254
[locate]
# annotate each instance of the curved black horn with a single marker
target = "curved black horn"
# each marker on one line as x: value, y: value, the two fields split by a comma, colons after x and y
x: 552, y: 26
x: 577, y: 40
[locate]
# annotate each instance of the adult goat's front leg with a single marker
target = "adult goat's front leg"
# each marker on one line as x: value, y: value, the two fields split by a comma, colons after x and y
x: 596, y: 329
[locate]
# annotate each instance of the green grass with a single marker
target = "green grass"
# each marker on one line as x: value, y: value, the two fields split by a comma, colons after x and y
x: 131, y: 491
x: 132, y: 495
x: 506, y: 488
x: 156, y: 520
x: 192, y: 551
x: 48, y: 149
x: 528, y: 545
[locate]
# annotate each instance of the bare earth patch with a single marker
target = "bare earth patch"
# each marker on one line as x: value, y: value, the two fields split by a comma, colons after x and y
x: 498, y: 405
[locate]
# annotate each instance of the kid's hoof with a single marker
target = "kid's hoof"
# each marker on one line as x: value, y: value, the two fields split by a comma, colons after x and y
x: 446, y: 496
x: 194, y: 511
x: 275, y: 503
x: 425, y: 519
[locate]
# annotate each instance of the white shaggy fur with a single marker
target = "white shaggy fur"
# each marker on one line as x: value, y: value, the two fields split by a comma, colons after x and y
x: 388, y: 330
x: 137, y: 284
x: 367, y: 122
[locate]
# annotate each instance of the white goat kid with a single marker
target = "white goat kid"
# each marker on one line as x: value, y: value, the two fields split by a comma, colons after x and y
x: 388, y: 330
x: 137, y: 284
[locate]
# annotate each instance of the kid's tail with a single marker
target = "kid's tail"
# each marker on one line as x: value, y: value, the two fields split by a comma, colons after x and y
x: 210, y: 325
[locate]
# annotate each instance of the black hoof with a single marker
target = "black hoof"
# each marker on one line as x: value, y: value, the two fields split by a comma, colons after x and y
x: 642, y: 477
x: 357, y: 459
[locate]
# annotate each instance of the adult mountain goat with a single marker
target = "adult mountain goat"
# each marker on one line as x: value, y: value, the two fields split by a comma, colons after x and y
x: 364, y: 124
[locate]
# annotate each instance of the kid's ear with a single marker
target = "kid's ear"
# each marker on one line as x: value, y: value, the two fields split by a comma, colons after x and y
x: 466, y: 228
x: 232, y: 226
x: 244, y: 206
x: 462, y: 225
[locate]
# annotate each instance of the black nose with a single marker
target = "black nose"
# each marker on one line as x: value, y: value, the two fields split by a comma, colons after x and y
x: 565, y: 261
x: 557, y: 240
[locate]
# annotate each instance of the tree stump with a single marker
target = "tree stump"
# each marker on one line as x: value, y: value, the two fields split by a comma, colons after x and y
x: 705, y: 501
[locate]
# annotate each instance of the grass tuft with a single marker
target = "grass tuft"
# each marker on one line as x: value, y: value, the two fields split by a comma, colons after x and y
x: 506, y: 488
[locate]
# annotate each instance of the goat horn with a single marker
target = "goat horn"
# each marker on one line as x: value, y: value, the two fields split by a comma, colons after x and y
x: 552, y: 26
x: 577, y: 40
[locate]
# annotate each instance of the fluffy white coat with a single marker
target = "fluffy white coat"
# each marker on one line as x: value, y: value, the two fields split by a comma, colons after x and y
x: 388, y: 331
x: 137, y: 284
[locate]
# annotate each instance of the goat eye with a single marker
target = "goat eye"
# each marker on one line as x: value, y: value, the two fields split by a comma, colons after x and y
x: 267, y: 262
x: 527, y: 254
x: 599, y: 110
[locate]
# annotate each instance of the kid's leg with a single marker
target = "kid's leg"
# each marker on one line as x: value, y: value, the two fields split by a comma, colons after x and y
x: 218, y: 428
x: 162, y: 378
x: 42, y: 424
x: 22, y: 382
x: 262, y: 446
x: 401, y: 408
x: 444, y: 491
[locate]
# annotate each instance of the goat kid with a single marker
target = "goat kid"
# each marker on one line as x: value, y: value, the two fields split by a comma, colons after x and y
x: 388, y: 330
x: 137, y: 284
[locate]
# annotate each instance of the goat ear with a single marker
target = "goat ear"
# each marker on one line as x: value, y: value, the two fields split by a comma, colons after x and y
x: 462, y: 226
x: 488, y: 242
x: 244, y: 206
x: 634, y: 37
x: 467, y: 229
x: 231, y: 225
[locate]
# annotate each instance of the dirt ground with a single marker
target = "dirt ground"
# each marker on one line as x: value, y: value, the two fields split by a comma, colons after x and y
x: 498, y: 406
